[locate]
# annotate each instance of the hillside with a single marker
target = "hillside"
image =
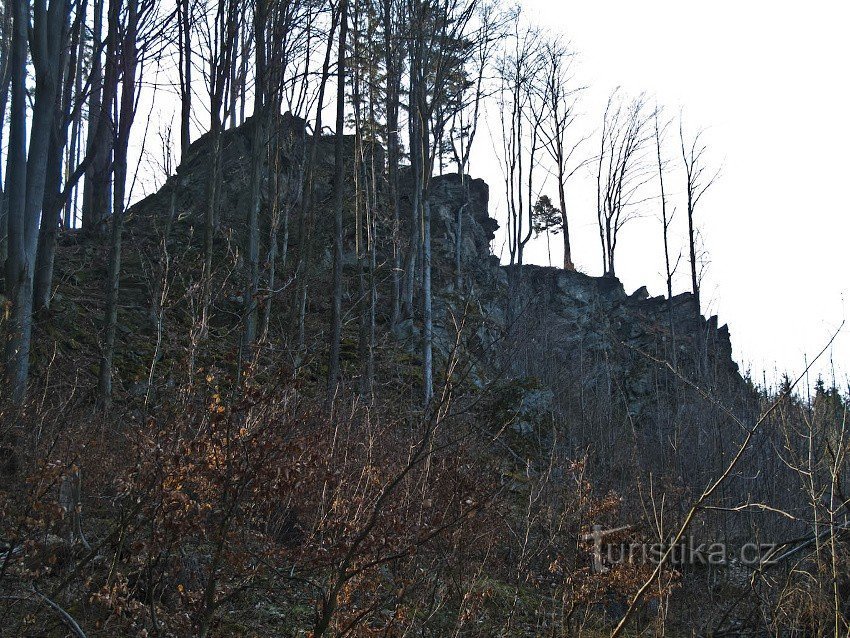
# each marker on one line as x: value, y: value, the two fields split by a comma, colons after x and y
x: 224, y: 494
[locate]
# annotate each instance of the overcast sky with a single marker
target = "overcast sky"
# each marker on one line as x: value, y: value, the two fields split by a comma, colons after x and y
x: 768, y: 82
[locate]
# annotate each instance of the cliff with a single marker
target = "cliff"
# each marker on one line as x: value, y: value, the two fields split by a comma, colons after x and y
x: 562, y: 326
x: 569, y: 332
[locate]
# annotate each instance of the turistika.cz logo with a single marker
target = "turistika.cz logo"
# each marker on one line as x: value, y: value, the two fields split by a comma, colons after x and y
x: 687, y: 551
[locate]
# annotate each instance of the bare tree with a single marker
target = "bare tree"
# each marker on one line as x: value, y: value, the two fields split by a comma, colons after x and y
x: 305, y: 212
x: 26, y: 169
x: 666, y: 221
x: 184, y: 69
x: 521, y: 119
x: 366, y: 53
x: 74, y: 161
x: 339, y: 188
x: 560, y: 116
x: 259, y: 142
x: 392, y: 16
x: 488, y: 31
x: 136, y: 33
x: 289, y: 41
x: 622, y: 169
x: 221, y: 49
x: 95, y: 191
x: 418, y: 143
x: 438, y: 39
x: 5, y: 80
x: 698, y: 180
x: 68, y: 104
x: 128, y: 61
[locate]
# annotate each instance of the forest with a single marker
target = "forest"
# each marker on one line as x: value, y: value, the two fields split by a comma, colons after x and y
x: 267, y: 372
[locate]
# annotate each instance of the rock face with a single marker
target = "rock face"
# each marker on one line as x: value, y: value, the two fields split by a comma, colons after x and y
x: 562, y: 326
x: 571, y: 332
x: 590, y: 324
x: 448, y: 194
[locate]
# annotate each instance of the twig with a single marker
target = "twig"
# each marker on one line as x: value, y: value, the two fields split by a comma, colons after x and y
x: 64, y: 615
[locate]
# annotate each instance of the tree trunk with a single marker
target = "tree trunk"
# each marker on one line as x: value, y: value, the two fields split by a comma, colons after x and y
x: 393, y: 90
x: 125, y: 123
x: 73, y: 160
x: 416, y: 161
x: 53, y: 193
x: 305, y: 213
x: 18, y: 269
x: 233, y: 83
x: 49, y: 230
x: 339, y: 185
x: 210, y: 217
x: 258, y: 154
x: 184, y: 68
x: 47, y: 39
x: 367, y: 377
x: 100, y: 106
x: 666, y: 228
x: 427, y: 330
x: 280, y: 209
x: 226, y: 30
x: 568, y: 256
x: 367, y: 383
x: 5, y: 79
x: 693, y: 253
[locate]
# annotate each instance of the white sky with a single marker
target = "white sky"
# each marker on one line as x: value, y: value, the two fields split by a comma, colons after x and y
x: 765, y: 81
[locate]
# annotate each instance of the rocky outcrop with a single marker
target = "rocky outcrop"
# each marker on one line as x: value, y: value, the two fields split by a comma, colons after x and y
x: 589, y: 326
x: 556, y: 325
x: 563, y: 328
